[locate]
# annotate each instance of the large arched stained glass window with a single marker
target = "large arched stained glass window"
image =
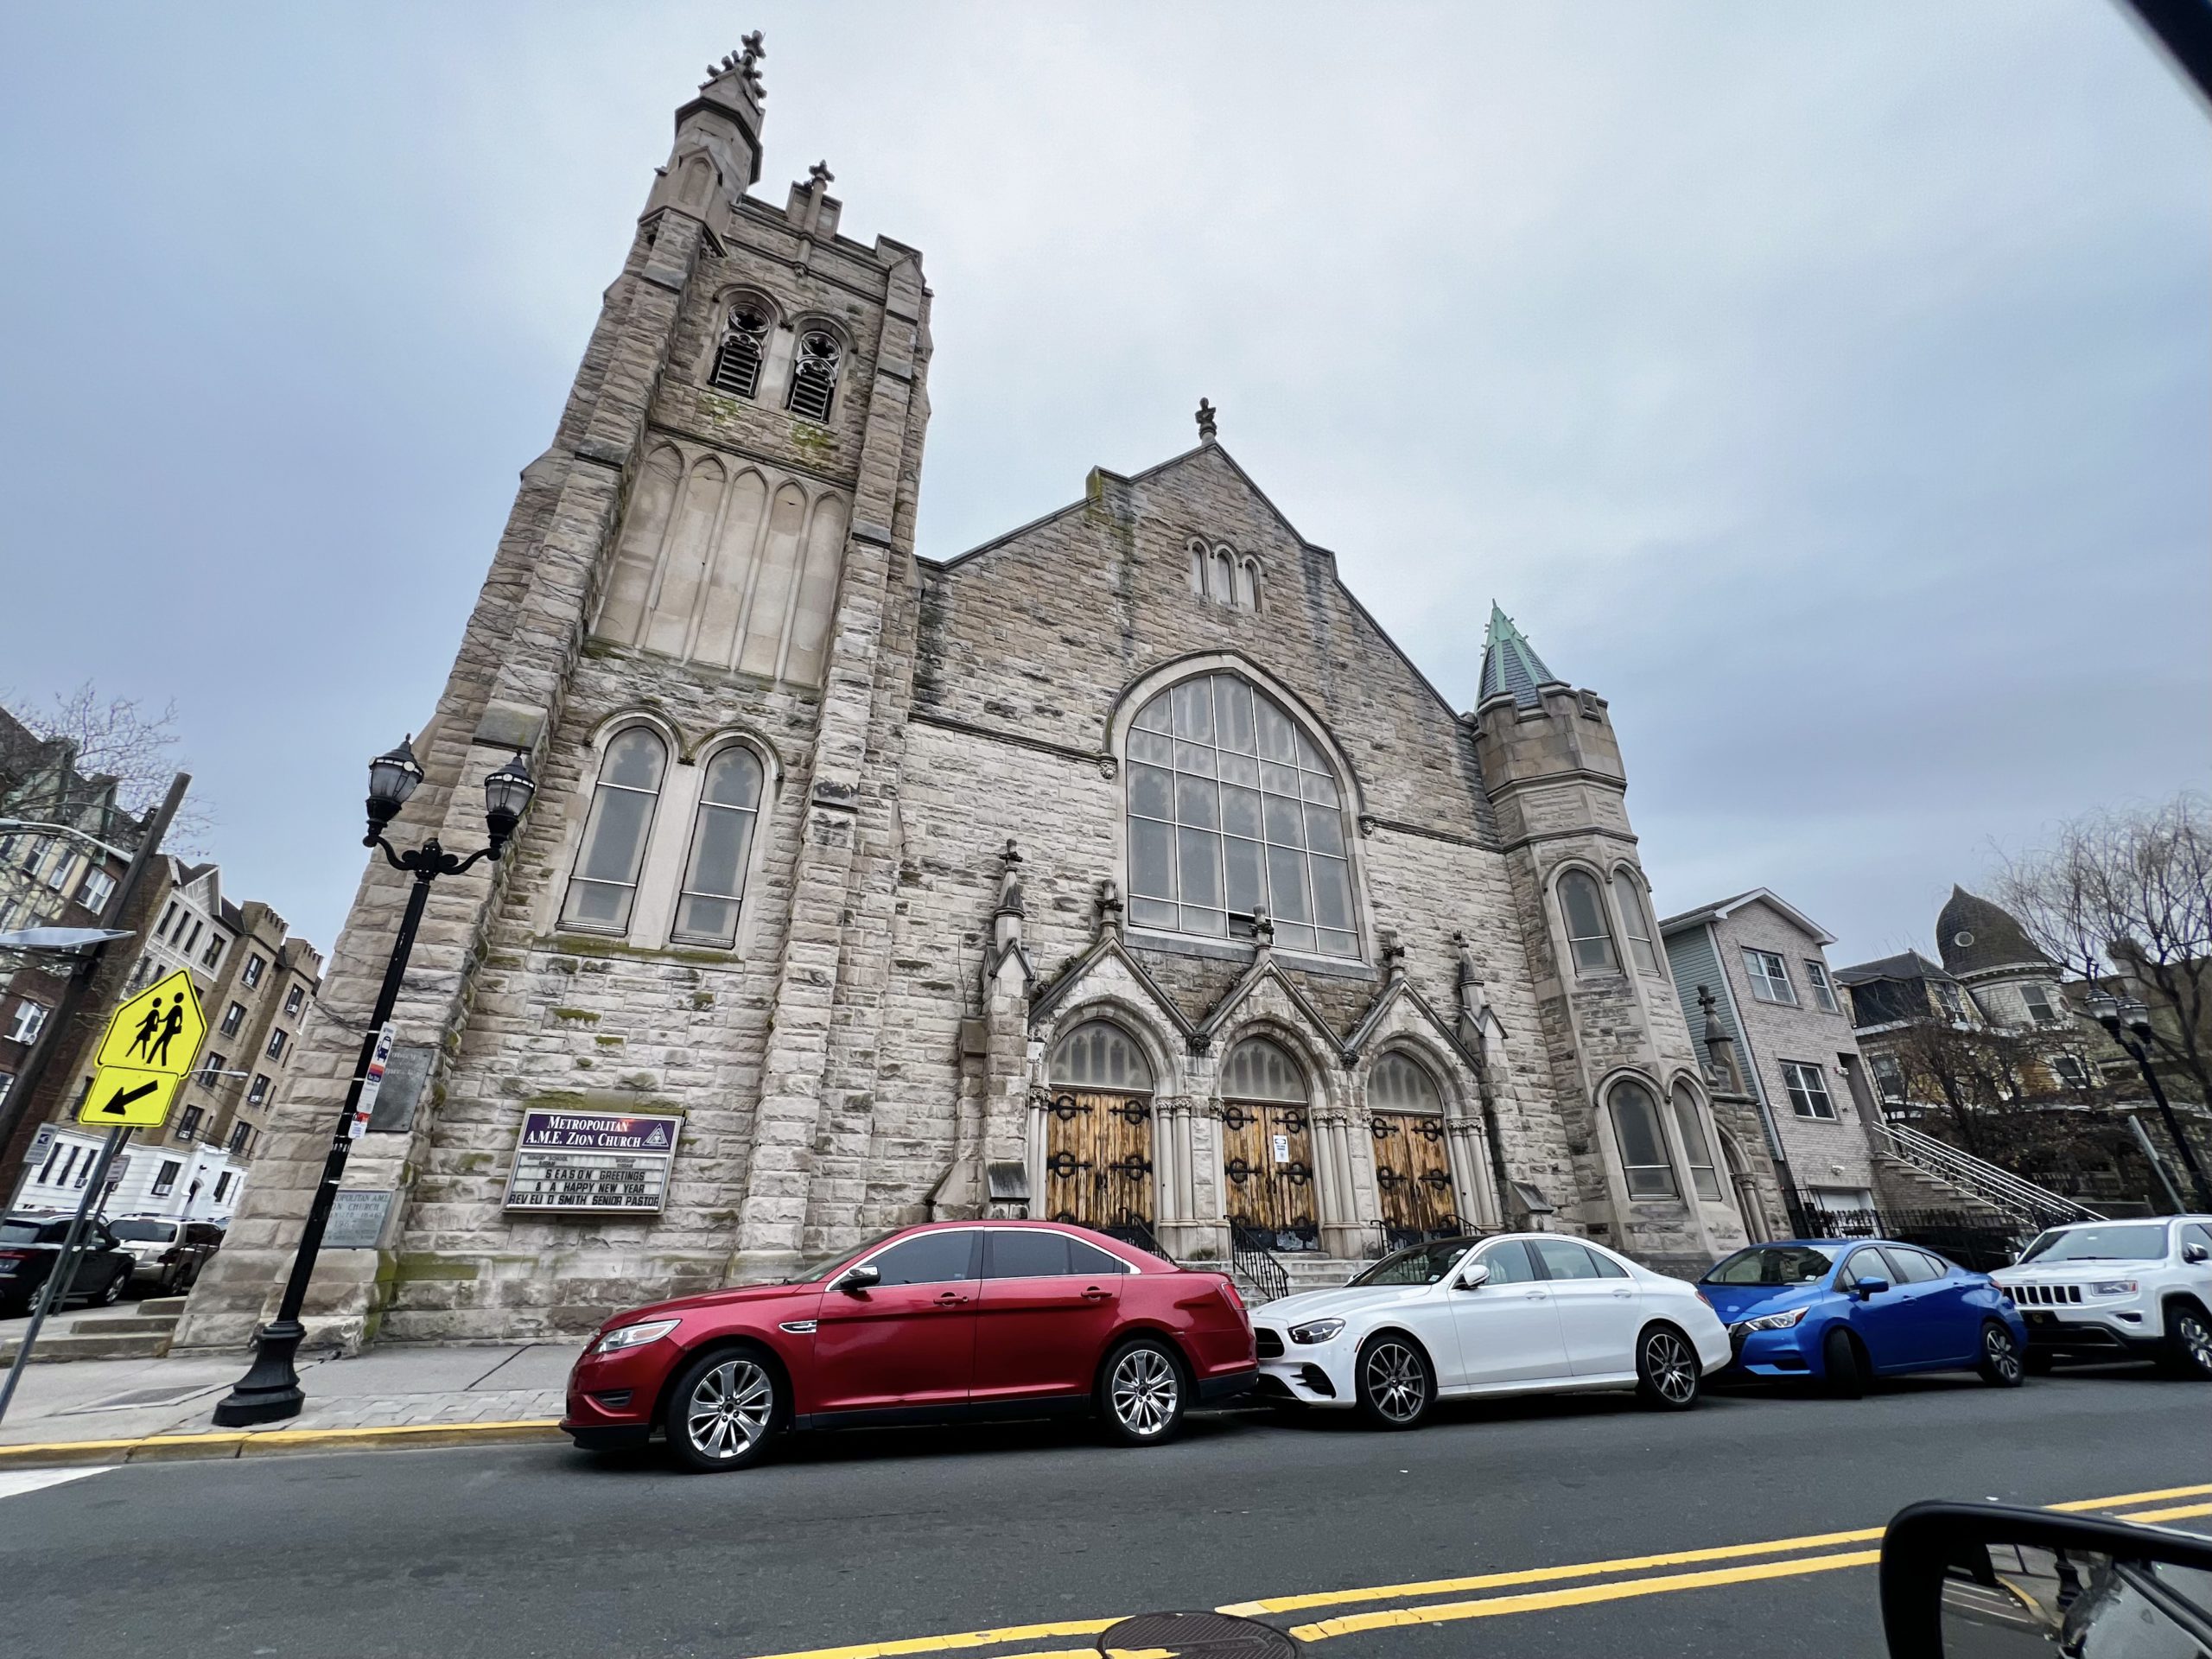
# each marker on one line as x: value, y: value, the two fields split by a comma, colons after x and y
x: 1098, y: 1055
x: 1400, y: 1083
x: 1232, y: 808
x: 1259, y: 1070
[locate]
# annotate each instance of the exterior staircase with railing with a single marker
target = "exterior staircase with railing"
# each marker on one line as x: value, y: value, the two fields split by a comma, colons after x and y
x: 1960, y: 1176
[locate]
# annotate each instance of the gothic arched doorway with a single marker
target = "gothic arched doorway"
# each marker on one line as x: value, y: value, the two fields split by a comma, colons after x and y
x: 1098, y: 1170
x: 1267, y: 1148
x: 1413, y: 1159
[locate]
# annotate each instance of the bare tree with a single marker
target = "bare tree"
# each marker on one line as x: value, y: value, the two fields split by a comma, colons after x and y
x: 65, y: 757
x: 2133, y: 890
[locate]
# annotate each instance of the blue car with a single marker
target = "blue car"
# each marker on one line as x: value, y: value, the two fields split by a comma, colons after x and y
x: 1843, y: 1312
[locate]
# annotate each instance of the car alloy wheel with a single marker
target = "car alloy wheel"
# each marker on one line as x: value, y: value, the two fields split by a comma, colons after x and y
x: 729, y: 1410
x: 2193, y: 1341
x: 1393, y: 1380
x: 1669, y: 1370
x: 1144, y: 1393
x: 112, y: 1292
x: 2000, y: 1357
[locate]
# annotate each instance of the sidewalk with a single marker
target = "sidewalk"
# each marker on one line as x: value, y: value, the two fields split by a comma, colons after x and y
x: 125, y: 1410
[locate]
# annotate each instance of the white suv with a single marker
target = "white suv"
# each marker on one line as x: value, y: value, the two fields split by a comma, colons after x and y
x: 2113, y: 1289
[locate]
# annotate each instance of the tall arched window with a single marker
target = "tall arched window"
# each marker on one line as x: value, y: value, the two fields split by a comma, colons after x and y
x: 1232, y: 808
x: 1402, y: 1083
x: 1198, y: 559
x: 1644, y: 1164
x: 814, y: 374
x: 1248, y: 585
x: 1221, y: 581
x: 745, y: 345
x: 722, y: 844
x: 604, y: 882
x: 1635, y: 920
x: 1587, y: 935
x: 1098, y: 1054
x: 1697, y: 1151
x: 1260, y: 1070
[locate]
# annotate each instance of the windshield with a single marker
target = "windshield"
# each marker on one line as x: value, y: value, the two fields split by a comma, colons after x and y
x: 838, y: 1263
x: 2142, y: 1241
x: 18, y: 1231
x: 152, y: 1232
x: 1422, y: 1264
x: 1774, y: 1264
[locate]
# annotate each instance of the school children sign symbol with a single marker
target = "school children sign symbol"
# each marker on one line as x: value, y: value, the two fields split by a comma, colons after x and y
x: 148, y: 1049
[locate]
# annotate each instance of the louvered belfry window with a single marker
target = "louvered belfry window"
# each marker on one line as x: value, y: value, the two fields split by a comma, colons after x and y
x: 737, y: 364
x: 814, y: 375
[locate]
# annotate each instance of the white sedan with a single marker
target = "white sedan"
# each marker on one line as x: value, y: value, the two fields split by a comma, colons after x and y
x: 1522, y: 1313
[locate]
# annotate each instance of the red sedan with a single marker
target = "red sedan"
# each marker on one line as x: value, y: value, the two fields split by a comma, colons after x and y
x: 953, y: 1320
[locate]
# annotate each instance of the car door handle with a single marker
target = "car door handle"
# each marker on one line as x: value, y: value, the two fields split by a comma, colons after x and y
x: 1623, y: 1295
x: 950, y: 1299
x: 1094, y: 1294
x: 1534, y: 1296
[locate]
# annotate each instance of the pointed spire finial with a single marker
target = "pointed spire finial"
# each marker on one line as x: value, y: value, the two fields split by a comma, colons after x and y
x: 1205, y: 420
x: 1510, y: 662
x: 820, y: 174
x: 744, y: 65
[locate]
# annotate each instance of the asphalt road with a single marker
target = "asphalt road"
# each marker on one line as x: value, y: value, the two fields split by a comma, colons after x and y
x: 847, y: 1541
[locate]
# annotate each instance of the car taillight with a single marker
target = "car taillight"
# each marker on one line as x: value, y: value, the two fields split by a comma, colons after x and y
x: 1229, y: 1295
x: 14, y: 1256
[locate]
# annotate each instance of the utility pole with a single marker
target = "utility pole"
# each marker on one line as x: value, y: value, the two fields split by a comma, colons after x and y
x: 53, y: 1034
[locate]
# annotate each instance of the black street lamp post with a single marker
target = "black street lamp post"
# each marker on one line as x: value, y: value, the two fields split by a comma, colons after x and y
x: 270, y: 1391
x: 2128, y: 1023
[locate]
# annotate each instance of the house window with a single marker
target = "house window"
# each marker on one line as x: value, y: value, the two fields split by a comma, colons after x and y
x: 192, y: 944
x: 1769, y: 976
x: 58, y: 873
x: 295, y: 999
x: 241, y: 1137
x: 84, y: 1170
x: 233, y: 1017
x: 1816, y: 976
x: 1587, y: 936
x: 187, y: 1125
x: 2040, y: 1010
x: 1705, y: 1179
x: 1808, y: 1090
x: 252, y: 974
x: 214, y: 953
x: 7, y: 1086
x: 1889, y: 1078
x: 1948, y: 994
x: 605, y: 884
x: 1644, y: 1164
x: 1233, y: 810
x: 1635, y: 921
x: 30, y: 1019
x: 98, y: 887
x: 277, y: 1038
x: 744, y: 343
x: 212, y: 1069
x: 223, y: 1185
x: 259, y: 1092
x: 721, y: 840
x: 46, y: 1173
x: 814, y: 374
x: 2070, y: 1071
x: 169, y: 917
x: 165, y: 1182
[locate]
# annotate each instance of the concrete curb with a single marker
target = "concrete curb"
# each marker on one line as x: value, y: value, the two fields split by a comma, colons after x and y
x: 248, y: 1443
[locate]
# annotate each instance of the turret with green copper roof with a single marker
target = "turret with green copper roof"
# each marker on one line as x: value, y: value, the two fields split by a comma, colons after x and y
x: 1510, y: 662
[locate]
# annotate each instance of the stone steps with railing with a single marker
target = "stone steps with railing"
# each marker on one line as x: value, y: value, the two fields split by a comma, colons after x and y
x: 1960, y: 1177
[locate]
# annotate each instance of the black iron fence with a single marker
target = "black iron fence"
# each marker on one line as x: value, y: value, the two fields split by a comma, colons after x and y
x: 1974, y: 1239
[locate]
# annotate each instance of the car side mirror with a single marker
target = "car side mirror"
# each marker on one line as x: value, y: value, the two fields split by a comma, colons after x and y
x: 853, y: 1280
x: 1865, y: 1288
x: 1475, y: 1277
x: 1990, y: 1581
x: 2193, y: 1254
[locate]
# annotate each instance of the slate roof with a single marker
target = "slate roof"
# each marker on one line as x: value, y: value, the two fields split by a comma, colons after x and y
x: 1975, y: 936
x: 1910, y: 965
x: 1510, y: 662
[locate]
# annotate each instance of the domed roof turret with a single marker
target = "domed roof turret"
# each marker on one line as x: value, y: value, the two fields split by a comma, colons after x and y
x: 1976, y: 936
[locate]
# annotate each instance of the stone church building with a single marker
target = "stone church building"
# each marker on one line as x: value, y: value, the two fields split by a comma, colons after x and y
x: 1121, y: 869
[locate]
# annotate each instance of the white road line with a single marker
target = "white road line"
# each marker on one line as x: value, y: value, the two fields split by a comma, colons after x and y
x: 14, y: 1483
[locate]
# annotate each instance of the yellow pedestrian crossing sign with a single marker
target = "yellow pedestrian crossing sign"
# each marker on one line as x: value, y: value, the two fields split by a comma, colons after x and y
x: 148, y: 1047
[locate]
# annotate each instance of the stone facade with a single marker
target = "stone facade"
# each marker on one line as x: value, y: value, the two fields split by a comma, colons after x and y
x: 709, y: 582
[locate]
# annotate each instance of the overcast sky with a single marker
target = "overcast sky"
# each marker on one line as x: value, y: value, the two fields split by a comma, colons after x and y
x: 1827, y: 385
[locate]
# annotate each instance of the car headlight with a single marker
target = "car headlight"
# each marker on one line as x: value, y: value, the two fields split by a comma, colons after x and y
x: 634, y: 1336
x: 2113, y: 1287
x: 1781, y: 1321
x: 1316, y: 1331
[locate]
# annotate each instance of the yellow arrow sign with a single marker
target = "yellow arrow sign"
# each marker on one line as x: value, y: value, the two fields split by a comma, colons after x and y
x: 158, y: 1031
x: 126, y: 1095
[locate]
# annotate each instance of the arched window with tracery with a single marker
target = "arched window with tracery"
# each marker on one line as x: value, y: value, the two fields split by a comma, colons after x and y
x: 1647, y: 1170
x: 743, y: 349
x: 1268, y: 1147
x: 1233, y: 809
x: 1636, y: 919
x: 604, y: 886
x: 1248, y: 585
x: 814, y: 374
x: 722, y: 847
x: 1098, y: 1161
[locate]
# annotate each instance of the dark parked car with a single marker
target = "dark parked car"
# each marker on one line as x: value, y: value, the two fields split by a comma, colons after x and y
x: 168, y: 1253
x: 948, y: 1320
x: 31, y: 1245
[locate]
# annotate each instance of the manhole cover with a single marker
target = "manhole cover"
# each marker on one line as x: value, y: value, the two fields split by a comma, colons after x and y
x: 1196, y: 1635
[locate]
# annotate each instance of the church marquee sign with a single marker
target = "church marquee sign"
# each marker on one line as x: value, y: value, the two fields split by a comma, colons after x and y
x: 594, y: 1163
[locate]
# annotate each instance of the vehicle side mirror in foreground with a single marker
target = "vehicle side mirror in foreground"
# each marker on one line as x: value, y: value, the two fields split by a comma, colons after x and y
x: 1476, y: 1277
x: 858, y: 1279
x: 1866, y: 1287
x: 2195, y: 1253
x: 1988, y: 1581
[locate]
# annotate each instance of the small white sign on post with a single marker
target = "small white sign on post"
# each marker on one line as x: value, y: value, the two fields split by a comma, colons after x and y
x: 372, y: 1080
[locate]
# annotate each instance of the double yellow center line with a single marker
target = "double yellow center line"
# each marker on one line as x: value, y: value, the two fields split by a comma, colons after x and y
x: 1651, y: 1579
